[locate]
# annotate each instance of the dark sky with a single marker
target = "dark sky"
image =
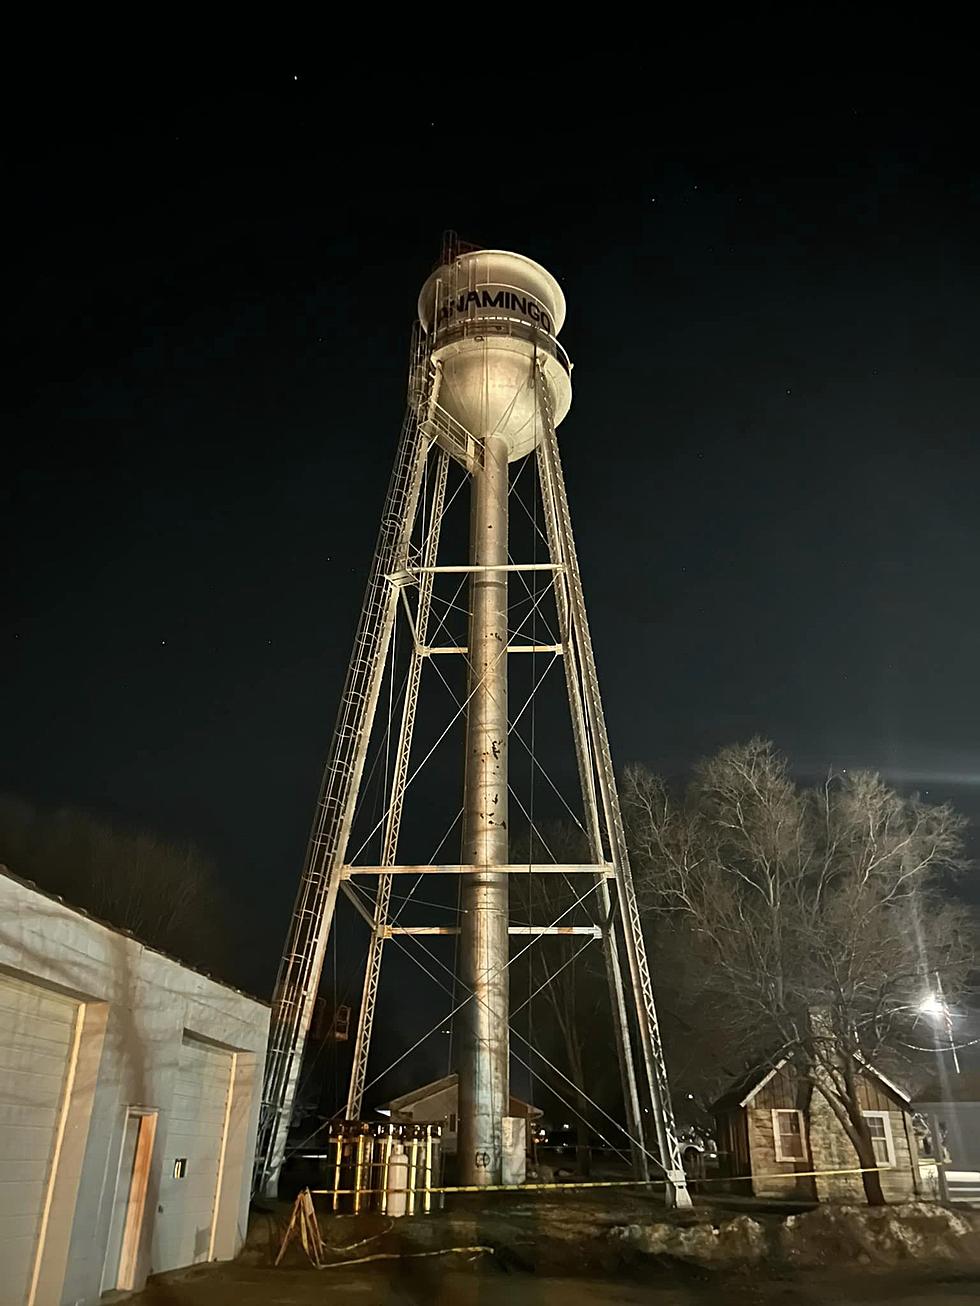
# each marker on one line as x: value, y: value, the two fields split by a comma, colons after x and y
x: 772, y: 453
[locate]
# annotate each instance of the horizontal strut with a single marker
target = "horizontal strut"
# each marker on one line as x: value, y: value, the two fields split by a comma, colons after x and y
x: 593, y: 931
x: 535, y: 868
x: 498, y: 566
x: 511, y: 648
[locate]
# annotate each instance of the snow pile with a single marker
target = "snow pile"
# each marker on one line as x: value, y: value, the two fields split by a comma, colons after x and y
x: 870, y: 1234
x: 740, y: 1240
x: 827, y: 1236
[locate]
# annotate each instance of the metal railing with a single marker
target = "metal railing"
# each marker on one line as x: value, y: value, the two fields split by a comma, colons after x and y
x: 503, y: 324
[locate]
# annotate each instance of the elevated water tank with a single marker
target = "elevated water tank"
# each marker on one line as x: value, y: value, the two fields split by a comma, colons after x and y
x: 490, y: 314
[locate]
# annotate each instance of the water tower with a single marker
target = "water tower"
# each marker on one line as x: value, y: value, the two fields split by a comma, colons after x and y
x: 488, y: 385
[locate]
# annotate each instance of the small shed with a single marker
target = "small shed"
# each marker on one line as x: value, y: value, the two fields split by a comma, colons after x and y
x: 438, y: 1104
x: 772, y: 1126
x: 950, y: 1106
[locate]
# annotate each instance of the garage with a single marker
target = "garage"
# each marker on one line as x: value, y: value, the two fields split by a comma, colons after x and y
x: 37, y: 1037
x: 193, y: 1158
x: 130, y: 1088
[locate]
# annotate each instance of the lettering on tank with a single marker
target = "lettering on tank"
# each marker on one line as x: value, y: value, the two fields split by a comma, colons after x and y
x: 508, y: 300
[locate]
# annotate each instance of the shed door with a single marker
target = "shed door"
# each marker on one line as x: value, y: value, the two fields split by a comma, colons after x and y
x: 36, y: 1035
x: 192, y: 1157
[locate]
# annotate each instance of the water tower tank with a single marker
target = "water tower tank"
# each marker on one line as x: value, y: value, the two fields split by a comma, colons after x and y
x: 489, y: 314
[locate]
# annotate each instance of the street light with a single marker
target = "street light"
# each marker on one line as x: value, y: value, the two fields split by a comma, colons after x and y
x: 934, y: 1004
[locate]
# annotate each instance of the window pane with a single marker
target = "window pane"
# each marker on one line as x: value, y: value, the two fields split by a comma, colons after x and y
x: 879, y: 1137
x: 789, y: 1125
x: 881, y: 1150
x: 790, y: 1134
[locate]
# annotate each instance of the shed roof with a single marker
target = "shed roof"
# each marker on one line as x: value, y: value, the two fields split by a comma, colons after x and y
x: 741, y: 1093
x: 748, y: 1085
x: 450, y: 1082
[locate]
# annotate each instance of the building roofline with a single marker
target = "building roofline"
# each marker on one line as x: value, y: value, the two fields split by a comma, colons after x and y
x: 424, y: 1090
x: 8, y: 874
x: 773, y: 1070
x: 439, y: 1085
x: 888, y: 1083
x: 742, y: 1092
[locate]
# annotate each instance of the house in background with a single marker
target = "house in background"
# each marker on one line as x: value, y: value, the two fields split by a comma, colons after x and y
x: 774, y: 1130
x: 438, y: 1104
x: 951, y: 1108
x: 129, y: 1099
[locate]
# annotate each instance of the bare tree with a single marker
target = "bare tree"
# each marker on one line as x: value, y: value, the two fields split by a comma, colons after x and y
x: 162, y: 892
x: 818, y: 915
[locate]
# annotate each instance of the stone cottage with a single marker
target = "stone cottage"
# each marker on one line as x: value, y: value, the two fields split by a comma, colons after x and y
x: 774, y: 1131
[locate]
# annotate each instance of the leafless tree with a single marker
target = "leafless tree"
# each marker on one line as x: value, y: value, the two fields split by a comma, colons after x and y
x: 818, y: 915
x: 164, y: 893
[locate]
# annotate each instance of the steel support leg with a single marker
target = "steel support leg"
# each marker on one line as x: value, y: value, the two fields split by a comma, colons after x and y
x: 302, y: 964
x: 590, y: 807
x: 646, y: 1012
x: 389, y: 848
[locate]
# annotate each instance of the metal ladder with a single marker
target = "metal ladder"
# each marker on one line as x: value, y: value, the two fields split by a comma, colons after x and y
x: 299, y: 972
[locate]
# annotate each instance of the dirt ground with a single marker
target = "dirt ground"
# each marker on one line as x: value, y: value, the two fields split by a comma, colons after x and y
x: 557, y: 1251
x: 421, y: 1283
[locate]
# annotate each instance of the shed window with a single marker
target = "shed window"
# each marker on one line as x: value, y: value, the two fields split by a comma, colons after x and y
x: 451, y: 1122
x: 880, y: 1128
x: 787, y: 1130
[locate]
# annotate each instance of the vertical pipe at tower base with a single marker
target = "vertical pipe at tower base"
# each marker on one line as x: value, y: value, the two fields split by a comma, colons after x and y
x: 484, y: 1044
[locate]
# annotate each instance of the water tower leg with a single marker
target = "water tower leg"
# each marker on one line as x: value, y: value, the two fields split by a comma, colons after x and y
x: 593, y: 828
x: 655, y: 1071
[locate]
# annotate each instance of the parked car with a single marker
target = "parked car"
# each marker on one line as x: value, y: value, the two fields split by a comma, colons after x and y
x: 698, y: 1150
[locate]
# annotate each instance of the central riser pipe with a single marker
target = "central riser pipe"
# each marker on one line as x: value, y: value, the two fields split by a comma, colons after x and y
x: 484, y: 1050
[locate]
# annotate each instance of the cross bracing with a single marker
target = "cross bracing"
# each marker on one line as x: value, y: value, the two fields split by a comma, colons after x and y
x: 408, y: 615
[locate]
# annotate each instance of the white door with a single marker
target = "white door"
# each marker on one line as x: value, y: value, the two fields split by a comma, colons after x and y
x: 193, y: 1156
x: 120, y: 1205
x: 132, y: 1176
x: 36, y: 1037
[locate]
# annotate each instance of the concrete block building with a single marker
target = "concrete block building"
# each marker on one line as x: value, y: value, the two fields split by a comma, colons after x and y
x: 129, y: 1097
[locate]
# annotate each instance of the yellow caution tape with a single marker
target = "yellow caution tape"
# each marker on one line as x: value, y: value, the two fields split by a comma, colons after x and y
x: 586, y: 1183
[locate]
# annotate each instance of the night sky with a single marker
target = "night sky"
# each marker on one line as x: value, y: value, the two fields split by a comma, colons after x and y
x: 772, y: 455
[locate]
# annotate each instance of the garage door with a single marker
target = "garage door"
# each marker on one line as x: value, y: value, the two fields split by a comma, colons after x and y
x: 36, y: 1036
x: 192, y: 1157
